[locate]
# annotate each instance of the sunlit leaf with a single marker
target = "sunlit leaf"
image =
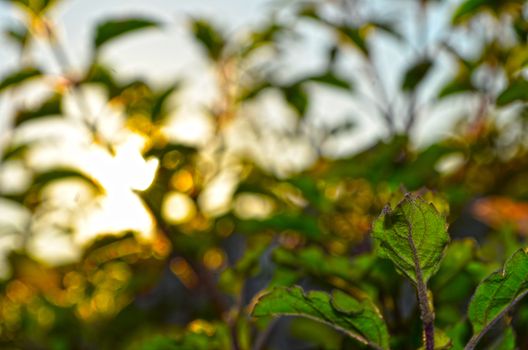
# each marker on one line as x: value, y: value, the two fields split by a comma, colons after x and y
x: 115, y: 28
x: 416, y: 74
x: 414, y: 236
x: 19, y: 77
x: 498, y: 293
x: 357, y: 318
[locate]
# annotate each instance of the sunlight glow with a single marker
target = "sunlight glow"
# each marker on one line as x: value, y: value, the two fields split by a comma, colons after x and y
x: 178, y: 208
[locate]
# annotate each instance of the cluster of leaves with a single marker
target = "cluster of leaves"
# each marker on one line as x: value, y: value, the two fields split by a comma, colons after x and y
x: 359, y: 279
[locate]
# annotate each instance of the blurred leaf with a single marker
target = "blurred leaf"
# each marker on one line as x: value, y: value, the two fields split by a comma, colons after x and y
x: 15, y: 151
x: 457, y: 257
x: 19, y: 35
x: 329, y: 78
x: 19, y: 77
x: 386, y: 27
x: 159, y: 102
x: 304, y: 224
x: 441, y: 341
x: 232, y: 279
x: 498, y: 293
x: 35, y: 6
x: 160, y: 343
x: 456, y: 86
x: 296, y: 97
x: 319, y: 335
x: 254, y: 91
x: 209, y: 37
x: 416, y: 74
x: 313, y: 261
x: 46, y: 177
x: 261, y: 38
x: 468, y: 8
x: 459, y: 334
x: 357, y: 318
x: 377, y: 163
x: 112, y: 29
x: 414, y: 236
x: 309, y: 11
x: 506, y: 341
x: 51, y: 106
x: 516, y: 91
x: 103, y: 75
x: 354, y: 36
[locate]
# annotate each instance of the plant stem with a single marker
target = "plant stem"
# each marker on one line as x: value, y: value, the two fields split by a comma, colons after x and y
x: 426, y: 312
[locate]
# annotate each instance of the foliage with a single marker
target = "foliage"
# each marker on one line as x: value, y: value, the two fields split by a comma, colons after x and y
x: 393, y: 246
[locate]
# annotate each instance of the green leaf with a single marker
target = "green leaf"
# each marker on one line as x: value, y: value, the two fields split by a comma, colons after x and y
x: 441, y: 341
x: 355, y: 37
x: 498, y: 293
x: 51, y: 106
x: 516, y: 91
x: 457, y: 257
x: 416, y: 74
x: 414, y: 236
x: 329, y: 78
x: 44, y: 178
x: 304, y: 224
x: 159, y: 343
x: 468, y: 9
x: 506, y: 341
x: 15, y: 151
x: 100, y: 74
x: 296, y: 97
x: 357, y: 318
x: 209, y: 37
x: 35, y: 6
x: 387, y: 27
x: 19, y: 77
x: 313, y: 261
x: 115, y: 28
x: 19, y: 35
x: 159, y: 102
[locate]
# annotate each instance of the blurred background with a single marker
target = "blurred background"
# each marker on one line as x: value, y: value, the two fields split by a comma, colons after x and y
x: 161, y: 162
